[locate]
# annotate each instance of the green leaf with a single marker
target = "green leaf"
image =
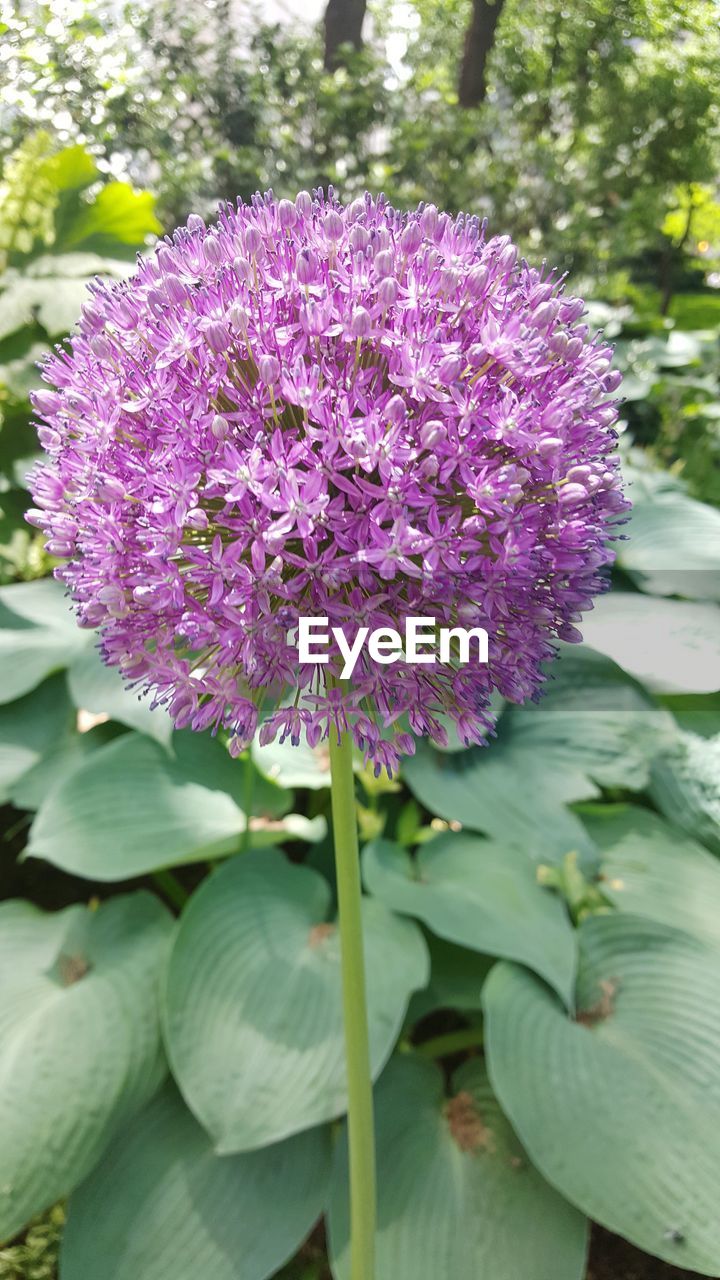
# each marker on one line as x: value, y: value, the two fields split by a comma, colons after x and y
x: 162, y: 1206
x: 673, y: 646
x: 620, y: 1110
x: 672, y: 545
x: 57, y: 762
x: 685, y: 786
x: 253, y: 1013
x: 28, y: 727
x: 132, y: 807
x: 650, y: 869
x: 80, y: 1046
x: 118, y: 213
x: 457, y: 1197
x: 98, y: 688
x: 593, y: 725
x: 481, y: 894
x: 38, y: 635
x: 289, y: 766
x: 71, y: 169
x: 456, y: 979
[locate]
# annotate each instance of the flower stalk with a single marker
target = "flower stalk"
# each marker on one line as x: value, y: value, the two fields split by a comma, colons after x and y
x: 361, y: 1133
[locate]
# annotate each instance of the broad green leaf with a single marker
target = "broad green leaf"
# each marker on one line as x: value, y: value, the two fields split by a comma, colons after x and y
x: 98, y: 688
x: 289, y: 766
x: 620, y: 1110
x: 651, y: 869
x: 480, y: 894
x: 456, y: 979
x: 58, y: 760
x: 695, y: 712
x: 673, y: 646
x: 457, y: 1196
x: 118, y: 213
x: 38, y: 635
x: 132, y: 807
x: 162, y: 1206
x: 28, y: 727
x: 592, y: 726
x: 253, y: 1014
x: 79, y: 1040
x: 685, y: 786
x: 673, y: 545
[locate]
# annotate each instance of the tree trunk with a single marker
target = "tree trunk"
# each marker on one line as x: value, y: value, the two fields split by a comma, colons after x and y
x: 343, y: 24
x: 479, y: 40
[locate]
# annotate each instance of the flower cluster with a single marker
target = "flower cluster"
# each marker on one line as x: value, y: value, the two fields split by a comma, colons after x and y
x: 317, y: 410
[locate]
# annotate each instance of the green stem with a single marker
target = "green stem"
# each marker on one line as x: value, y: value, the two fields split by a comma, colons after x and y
x: 249, y: 788
x: 169, y: 884
x: 361, y: 1133
x: 451, y: 1042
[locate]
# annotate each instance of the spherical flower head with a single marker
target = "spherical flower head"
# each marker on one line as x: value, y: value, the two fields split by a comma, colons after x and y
x: 344, y: 413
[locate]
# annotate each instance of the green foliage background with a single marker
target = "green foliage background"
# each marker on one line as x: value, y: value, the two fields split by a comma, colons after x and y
x: 541, y: 916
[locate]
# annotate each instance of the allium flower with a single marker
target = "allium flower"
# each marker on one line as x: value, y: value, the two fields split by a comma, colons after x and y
x: 327, y: 411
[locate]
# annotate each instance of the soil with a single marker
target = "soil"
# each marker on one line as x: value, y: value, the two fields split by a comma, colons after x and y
x: 614, y: 1259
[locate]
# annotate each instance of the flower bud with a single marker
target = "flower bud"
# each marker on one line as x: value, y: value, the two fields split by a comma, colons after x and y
x: 303, y: 203
x: 360, y: 324
x: 195, y: 222
x: 396, y: 410
x: 269, y: 369
x: 411, y: 237
x: 549, y: 447
x: 218, y: 336
x: 287, y: 214
x: 430, y: 433
x: 359, y: 239
x: 307, y: 265
x: 175, y: 289
x: 477, y: 280
x: 253, y: 240
x: 213, y: 250
x: 384, y: 262
x: 387, y: 291
x: 46, y: 402
x: 219, y: 427
x: 429, y: 220
x: 242, y: 268
x: 449, y: 369
x: 333, y: 225
x: 238, y: 317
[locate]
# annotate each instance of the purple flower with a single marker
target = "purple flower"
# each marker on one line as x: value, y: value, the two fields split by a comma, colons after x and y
x: 346, y: 413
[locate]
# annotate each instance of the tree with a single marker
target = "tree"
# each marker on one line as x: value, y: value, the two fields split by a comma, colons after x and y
x: 479, y: 40
x: 343, y: 24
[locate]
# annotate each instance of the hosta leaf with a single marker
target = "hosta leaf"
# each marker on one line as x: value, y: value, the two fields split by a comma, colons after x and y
x: 59, y: 759
x: 162, y: 1206
x: 593, y: 725
x: 620, y: 1110
x: 289, y: 766
x: 28, y: 727
x: 651, y: 869
x: 673, y: 544
x: 457, y: 1197
x: 131, y: 807
x: 685, y: 786
x: 456, y: 979
x: 38, y: 635
x: 673, y: 646
x: 99, y: 688
x: 79, y: 1040
x: 480, y: 894
x: 253, y: 1012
